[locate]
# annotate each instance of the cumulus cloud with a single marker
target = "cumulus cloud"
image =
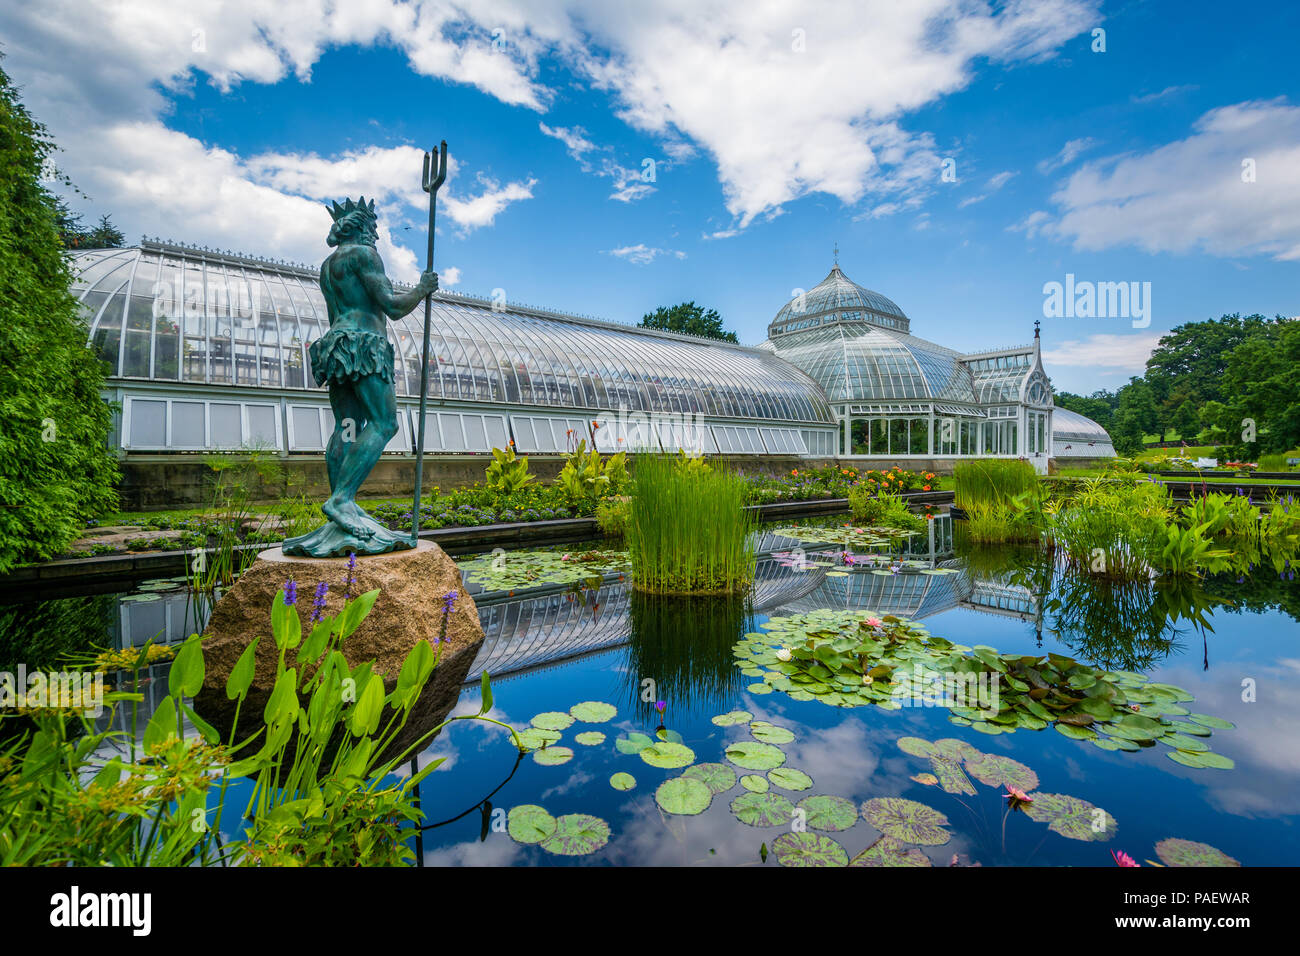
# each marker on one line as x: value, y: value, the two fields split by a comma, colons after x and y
x: 1104, y: 350
x: 641, y: 254
x: 1231, y: 188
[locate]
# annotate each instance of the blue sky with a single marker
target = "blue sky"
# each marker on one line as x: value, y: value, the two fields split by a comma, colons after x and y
x: 776, y: 132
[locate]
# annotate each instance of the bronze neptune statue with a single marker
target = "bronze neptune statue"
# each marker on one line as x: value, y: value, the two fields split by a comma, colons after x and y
x: 355, y: 359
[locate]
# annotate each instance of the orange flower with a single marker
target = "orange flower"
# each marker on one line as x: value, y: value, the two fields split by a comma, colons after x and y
x: 925, y: 487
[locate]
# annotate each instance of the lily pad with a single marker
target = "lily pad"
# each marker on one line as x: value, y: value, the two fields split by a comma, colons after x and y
x: 1177, y: 852
x: 684, y: 795
x: 1205, y: 720
x: 529, y: 823
x: 1201, y: 759
x: 762, y: 809
x: 995, y: 770
x: 590, y: 738
x: 667, y: 755
x: 889, y: 852
x: 770, y: 733
x: 829, y: 813
x: 752, y: 755
x: 950, y: 776
x: 553, y: 756
x: 577, y: 834
x: 907, y: 820
x: 718, y: 777
x: 732, y: 718
x: 633, y: 743
x: 534, y: 738
x: 809, y: 849
x: 789, y: 779
x: 916, y: 746
x: 755, y: 783
x: 552, y: 720
x: 622, y: 781
x: 593, y: 712
x: 1071, y: 817
x: 928, y: 779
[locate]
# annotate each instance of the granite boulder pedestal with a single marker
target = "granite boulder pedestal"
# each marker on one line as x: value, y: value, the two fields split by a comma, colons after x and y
x: 413, y: 586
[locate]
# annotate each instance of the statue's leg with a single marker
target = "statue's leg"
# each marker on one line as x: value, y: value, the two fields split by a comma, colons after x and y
x: 378, y: 404
x: 349, y: 456
x: 346, y: 409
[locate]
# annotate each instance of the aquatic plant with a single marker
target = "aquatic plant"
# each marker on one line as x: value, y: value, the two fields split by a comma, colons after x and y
x: 688, y: 531
x: 876, y: 507
x: 852, y: 658
x: 991, y: 481
x: 317, y: 757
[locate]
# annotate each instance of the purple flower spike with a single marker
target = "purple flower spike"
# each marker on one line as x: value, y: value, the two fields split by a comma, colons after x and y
x: 290, y: 592
x: 318, y: 602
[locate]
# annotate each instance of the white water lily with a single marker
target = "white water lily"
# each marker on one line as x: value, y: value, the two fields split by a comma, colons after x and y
x: 783, y: 654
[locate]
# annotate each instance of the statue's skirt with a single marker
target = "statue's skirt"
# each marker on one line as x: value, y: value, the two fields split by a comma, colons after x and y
x: 346, y: 355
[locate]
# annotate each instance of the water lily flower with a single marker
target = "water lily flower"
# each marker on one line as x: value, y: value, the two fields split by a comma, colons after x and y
x: 874, y: 622
x: 783, y: 654
x: 1123, y: 859
x: 867, y: 678
x: 661, y: 706
x: 1017, y: 798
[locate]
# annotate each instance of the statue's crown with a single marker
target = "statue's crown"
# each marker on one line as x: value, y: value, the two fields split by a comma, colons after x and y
x: 337, y: 212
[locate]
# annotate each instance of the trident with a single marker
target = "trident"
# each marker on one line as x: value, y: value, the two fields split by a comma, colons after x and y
x: 435, y: 171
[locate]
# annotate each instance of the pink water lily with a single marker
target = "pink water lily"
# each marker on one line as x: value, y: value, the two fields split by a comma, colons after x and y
x: 874, y: 622
x: 1123, y: 859
x: 1017, y: 798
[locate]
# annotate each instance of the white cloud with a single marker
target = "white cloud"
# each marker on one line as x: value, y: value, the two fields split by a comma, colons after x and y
x: 719, y: 77
x: 641, y: 254
x: 482, y: 210
x: 574, y: 139
x: 448, y: 277
x: 1067, y: 154
x: 1104, y: 350
x: 1190, y: 195
x: 1167, y: 92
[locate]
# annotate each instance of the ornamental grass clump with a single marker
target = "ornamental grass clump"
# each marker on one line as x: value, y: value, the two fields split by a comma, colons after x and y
x: 688, y: 531
x: 991, y: 481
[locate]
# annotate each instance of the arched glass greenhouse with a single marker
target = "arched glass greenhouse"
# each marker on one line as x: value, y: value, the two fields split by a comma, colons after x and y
x: 208, y: 350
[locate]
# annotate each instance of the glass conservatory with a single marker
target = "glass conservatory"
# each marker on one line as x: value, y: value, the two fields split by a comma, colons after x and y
x: 209, y: 350
x: 896, y: 396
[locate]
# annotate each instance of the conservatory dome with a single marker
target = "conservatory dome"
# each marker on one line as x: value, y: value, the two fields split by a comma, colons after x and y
x: 837, y: 298
x: 855, y: 344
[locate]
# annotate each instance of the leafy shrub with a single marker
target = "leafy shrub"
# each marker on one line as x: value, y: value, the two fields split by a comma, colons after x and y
x: 56, y: 470
x: 612, y: 516
x: 508, y: 473
x: 882, y: 509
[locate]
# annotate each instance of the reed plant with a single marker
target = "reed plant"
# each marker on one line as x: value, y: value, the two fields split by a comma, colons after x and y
x: 991, y: 481
x: 688, y: 531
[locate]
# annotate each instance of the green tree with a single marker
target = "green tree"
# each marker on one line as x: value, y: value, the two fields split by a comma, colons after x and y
x: 1261, y: 382
x: 105, y: 235
x: 1186, y: 420
x: 56, y: 469
x: 689, y: 319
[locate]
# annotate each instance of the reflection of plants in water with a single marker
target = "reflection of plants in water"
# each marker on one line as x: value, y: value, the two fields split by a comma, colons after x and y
x: 44, y: 635
x: 684, y: 645
x: 1127, y: 625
